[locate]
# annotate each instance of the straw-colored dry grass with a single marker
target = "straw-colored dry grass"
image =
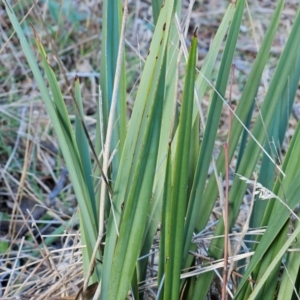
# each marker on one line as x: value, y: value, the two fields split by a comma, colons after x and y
x: 39, y: 242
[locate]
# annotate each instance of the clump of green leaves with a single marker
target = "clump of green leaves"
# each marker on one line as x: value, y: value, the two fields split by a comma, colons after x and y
x: 158, y: 176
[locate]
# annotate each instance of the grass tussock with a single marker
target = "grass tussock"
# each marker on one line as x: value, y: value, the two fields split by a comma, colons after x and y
x: 142, y: 158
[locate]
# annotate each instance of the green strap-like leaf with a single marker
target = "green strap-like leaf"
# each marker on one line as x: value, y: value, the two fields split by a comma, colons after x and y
x: 165, y: 224
x: 179, y: 190
x: 135, y: 134
x: 136, y: 207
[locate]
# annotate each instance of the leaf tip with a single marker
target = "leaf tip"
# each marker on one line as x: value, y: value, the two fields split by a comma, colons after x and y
x: 35, y: 33
x: 195, y: 32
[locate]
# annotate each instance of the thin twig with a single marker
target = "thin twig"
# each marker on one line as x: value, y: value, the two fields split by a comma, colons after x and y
x: 226, y: 229
x: 106, y: 153
x: 226, y: 210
